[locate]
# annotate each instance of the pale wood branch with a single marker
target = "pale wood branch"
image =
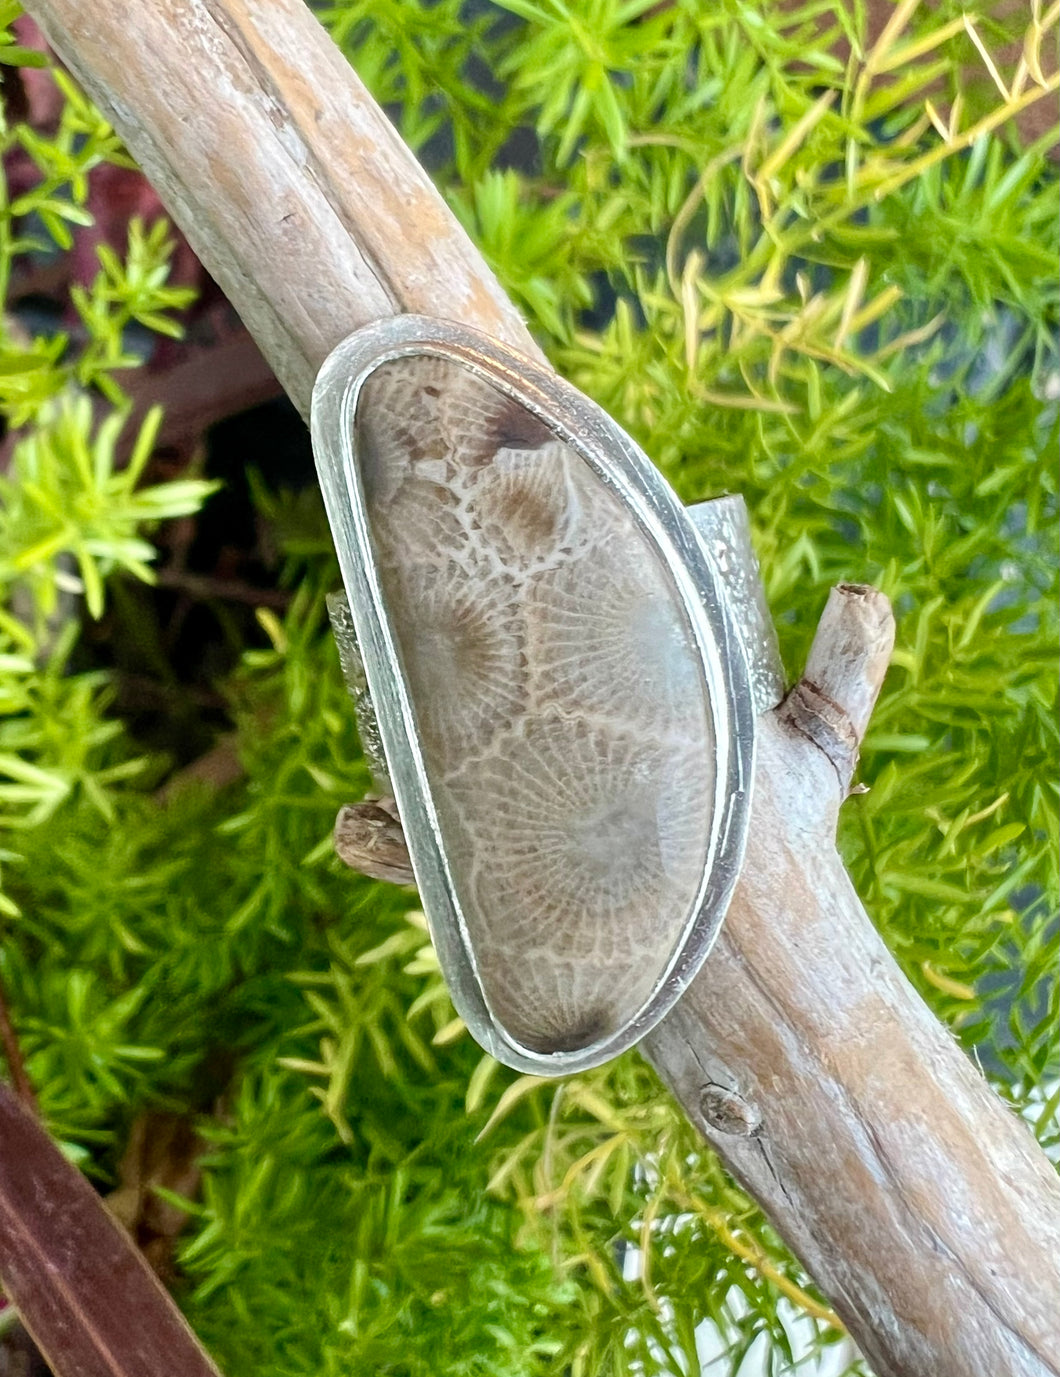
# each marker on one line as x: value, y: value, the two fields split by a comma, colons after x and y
x: 288, y: 180
x: 833, y: 701
x: 920, y: 1205
x: 918, y: 1202
x: 369, y: 838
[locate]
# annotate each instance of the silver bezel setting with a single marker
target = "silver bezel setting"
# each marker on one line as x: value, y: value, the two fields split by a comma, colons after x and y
x: 619, y: 463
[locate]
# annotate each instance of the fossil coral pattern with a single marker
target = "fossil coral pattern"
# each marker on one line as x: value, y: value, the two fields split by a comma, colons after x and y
x: 559, y: 700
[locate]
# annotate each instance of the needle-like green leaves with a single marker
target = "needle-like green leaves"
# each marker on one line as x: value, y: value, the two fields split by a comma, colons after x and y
x: 799, y: 260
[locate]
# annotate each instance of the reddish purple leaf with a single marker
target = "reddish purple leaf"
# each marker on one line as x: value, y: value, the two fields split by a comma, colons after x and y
x: 80, y: 1285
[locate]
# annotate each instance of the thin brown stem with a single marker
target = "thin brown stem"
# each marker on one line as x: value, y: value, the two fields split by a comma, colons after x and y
x: 16, y: 1066
x: 202, y: 587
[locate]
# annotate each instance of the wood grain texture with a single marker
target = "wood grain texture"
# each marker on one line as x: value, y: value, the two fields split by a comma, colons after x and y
x: 920, y: 1204
x: 288, y: 180
x: 923, y: 1209
x: 924, y: 1212
x: 81, y: 1286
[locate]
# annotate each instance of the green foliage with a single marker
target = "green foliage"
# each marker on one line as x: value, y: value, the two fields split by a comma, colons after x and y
x: 826, y: 281
x: 73, y: 511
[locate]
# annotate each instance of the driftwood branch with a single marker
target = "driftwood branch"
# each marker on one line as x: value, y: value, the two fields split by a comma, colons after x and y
x: 833, y: 701
x: 921, y: 1206
x: 369, y: 838
x: 287, y: 179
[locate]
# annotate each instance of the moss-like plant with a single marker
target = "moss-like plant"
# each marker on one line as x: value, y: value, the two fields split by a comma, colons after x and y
x: 795, y: 260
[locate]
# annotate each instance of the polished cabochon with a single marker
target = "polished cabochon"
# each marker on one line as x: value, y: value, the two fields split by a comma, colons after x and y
x: 561, y: 694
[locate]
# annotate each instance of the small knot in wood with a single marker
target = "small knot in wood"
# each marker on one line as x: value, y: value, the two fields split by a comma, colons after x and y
x: 370, y: 840
x: 728, y: 1112
x: 832, y: 702
x: 821, y: 720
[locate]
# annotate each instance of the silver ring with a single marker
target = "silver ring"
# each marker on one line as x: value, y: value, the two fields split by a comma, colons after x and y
x: 561, y: 691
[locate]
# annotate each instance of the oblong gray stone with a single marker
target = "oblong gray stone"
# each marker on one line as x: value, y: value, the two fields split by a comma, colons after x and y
x: 558, y: 693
